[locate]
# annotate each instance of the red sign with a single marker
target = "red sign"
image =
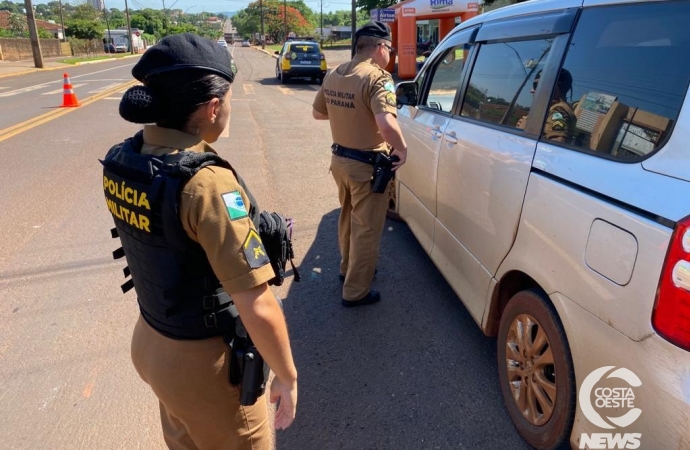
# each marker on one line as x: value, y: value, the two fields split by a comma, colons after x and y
x: 472, y: 6
x: 409, y: 12
x: 136, y: 33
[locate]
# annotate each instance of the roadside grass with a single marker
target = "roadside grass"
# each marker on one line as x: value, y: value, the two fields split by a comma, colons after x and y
x: 331, y: 45
x: 81, y: 59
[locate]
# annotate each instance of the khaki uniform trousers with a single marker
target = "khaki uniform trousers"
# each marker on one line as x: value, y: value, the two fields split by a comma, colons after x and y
x: 362, y: 217
x: 199, y: 409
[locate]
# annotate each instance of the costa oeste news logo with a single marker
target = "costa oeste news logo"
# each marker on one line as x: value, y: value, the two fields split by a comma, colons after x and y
x: 610, y: 394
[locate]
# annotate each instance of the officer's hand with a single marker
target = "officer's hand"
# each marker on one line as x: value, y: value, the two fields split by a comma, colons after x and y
x: 521, y: 122
x: 402, y: 157
x: 287, y: 407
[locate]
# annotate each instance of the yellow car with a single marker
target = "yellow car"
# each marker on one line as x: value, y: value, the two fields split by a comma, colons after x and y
x: 300, y: 59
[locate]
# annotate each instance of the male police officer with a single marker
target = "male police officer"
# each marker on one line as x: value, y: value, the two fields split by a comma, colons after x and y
x: 560, y: 119
x: 358, y: 98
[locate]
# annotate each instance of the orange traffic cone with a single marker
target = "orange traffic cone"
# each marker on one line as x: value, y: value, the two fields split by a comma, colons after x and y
x: 69, y: 98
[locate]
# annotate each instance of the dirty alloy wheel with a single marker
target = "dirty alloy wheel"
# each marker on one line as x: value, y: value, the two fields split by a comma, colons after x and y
x: 536, y: 371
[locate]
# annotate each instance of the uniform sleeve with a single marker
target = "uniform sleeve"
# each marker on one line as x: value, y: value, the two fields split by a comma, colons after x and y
x: 558, y: 123
x: 383, y: 95
x: 320, y: 101
x: 213, y: 211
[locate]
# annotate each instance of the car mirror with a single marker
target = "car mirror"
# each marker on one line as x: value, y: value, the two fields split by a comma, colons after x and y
x: 277, y: 52
x: 406, y: 94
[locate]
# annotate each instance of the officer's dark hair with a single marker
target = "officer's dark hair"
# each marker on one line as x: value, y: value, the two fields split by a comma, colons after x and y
x: 368, y: 42
x: 564, y: 82
x: 169, y: 99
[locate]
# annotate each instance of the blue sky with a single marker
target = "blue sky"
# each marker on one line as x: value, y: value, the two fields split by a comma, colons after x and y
x: 216, y: 6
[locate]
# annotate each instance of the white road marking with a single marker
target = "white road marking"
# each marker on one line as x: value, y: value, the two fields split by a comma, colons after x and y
x: 58, y: 91
x: 23, y: 90
x: 40, y: 86
x: 104, y: 88
x: 97, y: 80
x: 285, y: 91
x: 112, y: 98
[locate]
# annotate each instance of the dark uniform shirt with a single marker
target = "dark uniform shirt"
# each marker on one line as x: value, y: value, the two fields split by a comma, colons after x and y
x: 214, y: 212
x: 352, y: 95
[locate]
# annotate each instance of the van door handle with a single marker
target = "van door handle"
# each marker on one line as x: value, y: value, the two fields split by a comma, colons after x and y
x: 436, y: 132
x: 451, y: 139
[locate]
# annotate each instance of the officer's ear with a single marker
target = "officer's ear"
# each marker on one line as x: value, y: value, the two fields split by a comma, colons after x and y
x: 213, y: 109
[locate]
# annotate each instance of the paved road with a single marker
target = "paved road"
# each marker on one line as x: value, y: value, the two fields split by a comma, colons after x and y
x: 32, y: 94
x: 412, y: 372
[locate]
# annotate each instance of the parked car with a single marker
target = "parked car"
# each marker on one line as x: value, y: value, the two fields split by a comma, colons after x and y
x: 222, y: 43
x: 548, y: 178
x: 245, y: 44
x: 300, y: 59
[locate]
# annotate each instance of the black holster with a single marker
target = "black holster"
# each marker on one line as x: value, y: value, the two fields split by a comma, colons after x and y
x: 246, y: 368
x: 383, y: 172
x: 383, y: 165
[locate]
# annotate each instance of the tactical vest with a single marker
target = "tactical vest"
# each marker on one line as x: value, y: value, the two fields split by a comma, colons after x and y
x: 178, y: 293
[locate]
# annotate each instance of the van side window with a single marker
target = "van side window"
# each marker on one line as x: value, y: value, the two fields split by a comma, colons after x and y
x: 445, y: 81
x: 626, y: 74
x: 500, y: 89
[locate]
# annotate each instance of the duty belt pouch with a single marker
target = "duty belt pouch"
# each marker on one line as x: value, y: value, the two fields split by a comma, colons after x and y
x: 383, y: 172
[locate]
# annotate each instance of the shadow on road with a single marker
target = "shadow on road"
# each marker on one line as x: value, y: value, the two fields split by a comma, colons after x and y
x: 411, y: 372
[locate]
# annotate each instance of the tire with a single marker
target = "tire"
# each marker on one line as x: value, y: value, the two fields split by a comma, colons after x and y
x: 278, y: 74
x: 548, y: 373
x: 284, y: 78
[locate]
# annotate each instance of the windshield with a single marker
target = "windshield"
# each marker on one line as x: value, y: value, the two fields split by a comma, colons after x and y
x: 304, y: 48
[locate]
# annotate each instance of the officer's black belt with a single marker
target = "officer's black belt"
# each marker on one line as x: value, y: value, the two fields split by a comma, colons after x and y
x: 351, y: 153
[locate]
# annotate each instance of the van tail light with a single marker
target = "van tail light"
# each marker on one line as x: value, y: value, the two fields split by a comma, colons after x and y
x: 671, y: 316
x: 288, y: 55
x: 322, y: 56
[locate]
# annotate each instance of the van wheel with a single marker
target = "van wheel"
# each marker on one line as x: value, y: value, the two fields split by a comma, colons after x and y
x: 284, y: 78
x: 535, y: 370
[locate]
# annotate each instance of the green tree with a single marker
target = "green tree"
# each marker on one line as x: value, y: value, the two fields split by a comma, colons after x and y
x: 6, y: 5
x: 84, y: 29
x: 248, y: 20
x: 117, y: 18
x: 368, y: 5
x: 85, y: 12
x: 16, y: 23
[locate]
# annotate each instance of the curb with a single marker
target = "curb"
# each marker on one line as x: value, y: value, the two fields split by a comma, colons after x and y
x: 64, y: 66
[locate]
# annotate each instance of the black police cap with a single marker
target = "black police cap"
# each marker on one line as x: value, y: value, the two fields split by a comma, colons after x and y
x: 185, y: 51
x: 376, y: 29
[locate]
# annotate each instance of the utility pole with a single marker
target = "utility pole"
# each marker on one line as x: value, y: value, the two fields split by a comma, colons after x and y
x: 107, y: 25
x: 129, y: 29
x: 62, y: 21
x: 285, y: 31
x: 354, y: 24
x: 321, y: 26
x: 35, y: 44
x: 261, y: 37
x: 165, y: 18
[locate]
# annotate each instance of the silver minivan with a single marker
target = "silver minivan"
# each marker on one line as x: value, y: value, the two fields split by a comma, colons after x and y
x: 548, y: 178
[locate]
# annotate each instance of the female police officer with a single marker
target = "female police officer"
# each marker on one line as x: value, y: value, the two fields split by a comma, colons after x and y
x: 184, y: 218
